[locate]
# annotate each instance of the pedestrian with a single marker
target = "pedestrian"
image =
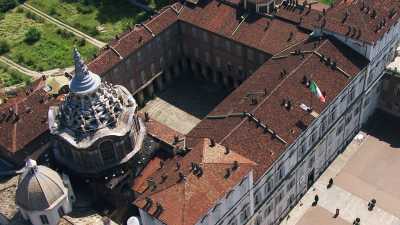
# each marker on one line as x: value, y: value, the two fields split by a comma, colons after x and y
x: 330, y: 183
x: 336, y: 214
x: 316, y: 198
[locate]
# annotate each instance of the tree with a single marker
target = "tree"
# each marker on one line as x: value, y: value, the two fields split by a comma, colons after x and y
x: 4, y: 47
x: 33, y: 35
x: 6, y: 5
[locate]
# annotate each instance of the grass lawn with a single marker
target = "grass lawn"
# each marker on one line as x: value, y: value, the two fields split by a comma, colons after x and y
x: 327, y: 2
x: 102, y: 19
x: 9, y: 77
x: 53, y: 50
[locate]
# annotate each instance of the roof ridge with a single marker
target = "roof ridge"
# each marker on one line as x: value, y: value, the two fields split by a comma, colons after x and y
x: 272, y: 92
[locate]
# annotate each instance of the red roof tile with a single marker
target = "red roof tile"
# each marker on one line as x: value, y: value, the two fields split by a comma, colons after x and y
x: 260, y: 32
x: 242, y: 135
x: 360, y: 18
x: 185, y: 202
x: 32, y: 118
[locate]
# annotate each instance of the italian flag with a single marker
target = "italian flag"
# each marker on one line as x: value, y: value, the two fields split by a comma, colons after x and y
x: 316, y: 91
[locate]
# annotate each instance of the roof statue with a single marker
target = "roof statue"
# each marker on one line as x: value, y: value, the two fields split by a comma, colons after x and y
x: 84, y: 81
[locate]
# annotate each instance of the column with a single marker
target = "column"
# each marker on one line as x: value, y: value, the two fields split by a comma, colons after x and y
x: 225, y: 81
x: 214, y: 77
x: 203, y: 72
x: 184, y: 64
x: 150, y: 90
x: 140, y: 98
x: 168, y: 76
x: 177, y: 70
x: 160, y: 83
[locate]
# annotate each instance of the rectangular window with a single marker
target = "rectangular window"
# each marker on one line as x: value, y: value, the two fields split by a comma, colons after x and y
x: 239, y: 50
x: 228, y: 45
x: 281, y: 172
x: 205, y: 36
x: 44, y: 219
x: 61, y: 212
x: 143, y: 76
x: 339, y: 130
x: 233, y: 221
x: 250, y: 54
x: 218, y: 59
x: 258, y: 197
x: 194, y: 32
x: 139, y: 56
x: 215, y: 41
x: 333, y: 114
x: 244, y: 214
x: 311, y: 162
x: 268, y: 186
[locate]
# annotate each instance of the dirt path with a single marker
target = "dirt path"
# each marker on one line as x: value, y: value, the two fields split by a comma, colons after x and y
x: 76, y: 32
x: 20, y: 68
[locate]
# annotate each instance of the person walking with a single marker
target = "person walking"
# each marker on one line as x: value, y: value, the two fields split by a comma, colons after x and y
x: 336, y: 214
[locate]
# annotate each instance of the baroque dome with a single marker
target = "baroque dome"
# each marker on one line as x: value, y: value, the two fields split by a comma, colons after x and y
x: 91, y: 104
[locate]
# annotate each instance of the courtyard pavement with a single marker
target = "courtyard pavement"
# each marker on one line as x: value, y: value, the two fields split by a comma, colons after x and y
x: 184, y: 102
x: 366, y: 169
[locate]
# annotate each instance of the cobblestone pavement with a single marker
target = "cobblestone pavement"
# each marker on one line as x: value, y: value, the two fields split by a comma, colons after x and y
x: 365, y: 170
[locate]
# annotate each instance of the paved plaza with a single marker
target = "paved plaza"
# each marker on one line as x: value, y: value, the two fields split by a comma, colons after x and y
x: 184, y: 103
x: 367, y: 169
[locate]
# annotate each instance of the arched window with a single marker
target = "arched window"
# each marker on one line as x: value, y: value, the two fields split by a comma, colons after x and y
x: 107, y: 151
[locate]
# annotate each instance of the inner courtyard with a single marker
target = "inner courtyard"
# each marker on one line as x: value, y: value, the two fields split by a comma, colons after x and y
x: 185, y: 102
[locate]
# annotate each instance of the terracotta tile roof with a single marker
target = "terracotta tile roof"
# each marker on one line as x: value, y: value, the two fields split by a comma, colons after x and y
x: 265, y: 34
x: 243, y: 135
x: 24, y: 118
x: 161, y: 131
x: 128, y: 42
x: 364, y: 18
x: 185, y: 202
x: 256, y: 31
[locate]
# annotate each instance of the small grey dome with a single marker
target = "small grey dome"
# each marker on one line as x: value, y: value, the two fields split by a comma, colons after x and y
x: 39, y: 187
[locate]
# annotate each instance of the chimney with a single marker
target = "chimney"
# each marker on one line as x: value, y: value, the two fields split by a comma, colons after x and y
x: 287, y: 104
x: 163, y: 178
x: 161, y: 164
x: 253, y: 100
x: 226, y: 151
x: 235, y: 165
x: 176, y: 139
x: 212, y: 142
x: 146, y: 117
x: 159, y: 210
x: 306, y: 81
x: 181, y: 177
x: 148, y: 204
x: 227, y: 173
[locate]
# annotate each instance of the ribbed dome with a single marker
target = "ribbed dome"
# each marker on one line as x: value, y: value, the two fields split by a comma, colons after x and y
x: 38, y: 188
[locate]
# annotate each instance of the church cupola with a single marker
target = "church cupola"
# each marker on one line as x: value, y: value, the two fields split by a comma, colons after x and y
x: 96, y: 127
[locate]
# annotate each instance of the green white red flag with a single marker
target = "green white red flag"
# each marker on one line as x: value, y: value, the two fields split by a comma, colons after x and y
x: 316, y: 91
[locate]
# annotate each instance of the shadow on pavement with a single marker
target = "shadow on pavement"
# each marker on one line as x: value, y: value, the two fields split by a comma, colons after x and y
x: 385, y: 127
x: 196, y: 97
